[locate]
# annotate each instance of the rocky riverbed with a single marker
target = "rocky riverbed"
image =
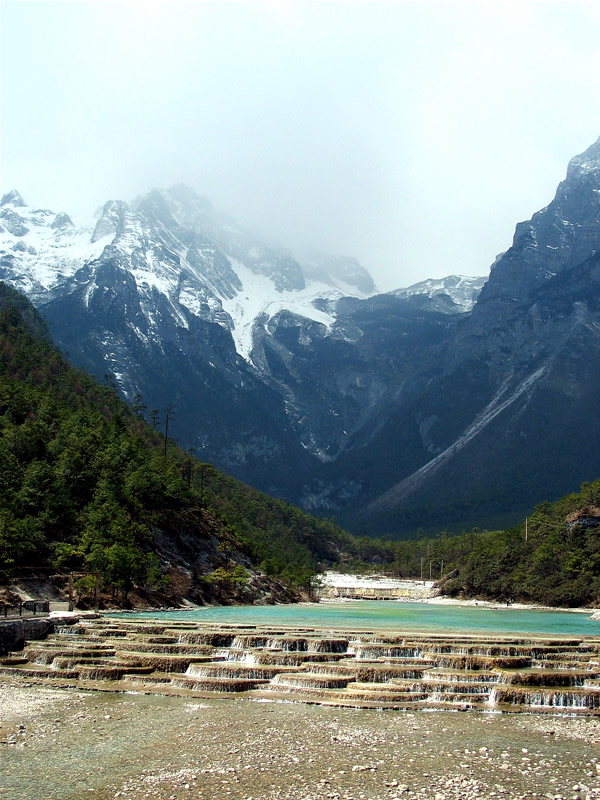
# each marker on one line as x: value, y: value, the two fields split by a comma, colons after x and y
x: 57, y: 744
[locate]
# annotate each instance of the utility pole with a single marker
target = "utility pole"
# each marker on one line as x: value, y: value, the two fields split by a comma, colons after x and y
x: 526, y: 532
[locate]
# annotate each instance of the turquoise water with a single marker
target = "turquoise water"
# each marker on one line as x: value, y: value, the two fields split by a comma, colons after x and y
x: 365, y: 614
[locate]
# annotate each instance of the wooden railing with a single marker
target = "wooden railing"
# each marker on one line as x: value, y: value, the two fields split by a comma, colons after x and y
x: 28, y: 608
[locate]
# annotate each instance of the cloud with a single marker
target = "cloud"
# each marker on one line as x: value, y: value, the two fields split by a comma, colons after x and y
x: 413, y: 135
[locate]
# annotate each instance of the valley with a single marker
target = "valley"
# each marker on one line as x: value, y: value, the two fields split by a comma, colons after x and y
x: 394, y: 412
x: 299, y: 380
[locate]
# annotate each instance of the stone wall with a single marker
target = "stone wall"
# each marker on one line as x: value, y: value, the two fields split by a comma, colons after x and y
x: 15, y: 632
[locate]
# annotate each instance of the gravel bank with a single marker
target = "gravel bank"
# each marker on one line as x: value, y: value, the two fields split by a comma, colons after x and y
x: 61, y: 745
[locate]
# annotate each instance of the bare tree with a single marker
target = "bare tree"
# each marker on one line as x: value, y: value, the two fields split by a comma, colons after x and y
x: 169, y: 417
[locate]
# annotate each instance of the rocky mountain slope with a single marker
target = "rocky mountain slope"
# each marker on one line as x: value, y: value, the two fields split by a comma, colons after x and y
x: 445, y: 403
x: 511, y: 413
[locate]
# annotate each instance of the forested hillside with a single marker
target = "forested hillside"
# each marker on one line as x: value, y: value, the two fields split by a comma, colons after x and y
x: 553, y: 558
x: 87, y: 485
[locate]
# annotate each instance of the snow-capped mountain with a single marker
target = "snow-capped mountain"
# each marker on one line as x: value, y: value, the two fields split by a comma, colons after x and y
x: 421, y: 407
x: 172, y: 243
x: 40, y: 249
x: 462, y: 290
x: 558, y: 238
x: 175, y: 300
x: 342, y: 272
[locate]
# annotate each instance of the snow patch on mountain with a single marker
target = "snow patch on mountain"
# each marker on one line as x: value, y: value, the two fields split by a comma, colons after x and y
x: 257, y: 300
x: 172, y: 243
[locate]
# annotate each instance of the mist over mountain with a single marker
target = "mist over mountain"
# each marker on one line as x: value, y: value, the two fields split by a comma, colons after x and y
x: 452, y: 402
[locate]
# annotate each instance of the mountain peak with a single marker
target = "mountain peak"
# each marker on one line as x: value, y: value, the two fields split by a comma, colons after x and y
x: 588, y: 161
x: 12, y: 198
x: 111, y: 219
x: 62, y: 221
x: 343, y: 272
x: 184, y: 194
x: 558, y: 238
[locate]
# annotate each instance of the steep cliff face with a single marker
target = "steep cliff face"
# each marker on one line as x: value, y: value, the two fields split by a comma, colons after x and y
x: 514, y: 399
x: 559, y: 238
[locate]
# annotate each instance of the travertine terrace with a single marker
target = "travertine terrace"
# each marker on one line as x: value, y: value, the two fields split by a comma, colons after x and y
x: 361, y: 669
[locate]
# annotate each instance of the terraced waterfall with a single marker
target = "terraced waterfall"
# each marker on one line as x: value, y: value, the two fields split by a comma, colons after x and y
x: 357, y: 669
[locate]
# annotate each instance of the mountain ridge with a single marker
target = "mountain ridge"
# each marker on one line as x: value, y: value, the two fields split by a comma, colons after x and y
x: 393, y: 411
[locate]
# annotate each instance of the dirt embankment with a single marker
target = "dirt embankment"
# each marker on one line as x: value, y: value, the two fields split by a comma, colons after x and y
x: 181, y: 590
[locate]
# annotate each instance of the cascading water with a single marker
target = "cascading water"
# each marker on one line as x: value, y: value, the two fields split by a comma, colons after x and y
x: 360, y: 670
x: 231, y: 654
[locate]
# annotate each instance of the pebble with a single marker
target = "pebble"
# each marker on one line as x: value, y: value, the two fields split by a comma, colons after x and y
x: 245, y: 751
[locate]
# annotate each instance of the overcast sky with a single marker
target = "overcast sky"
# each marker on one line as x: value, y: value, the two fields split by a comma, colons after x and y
x: 413, y: 135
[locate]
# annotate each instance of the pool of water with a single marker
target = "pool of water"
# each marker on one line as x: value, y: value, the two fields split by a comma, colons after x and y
x: 366, y: 614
